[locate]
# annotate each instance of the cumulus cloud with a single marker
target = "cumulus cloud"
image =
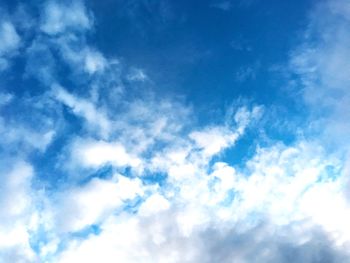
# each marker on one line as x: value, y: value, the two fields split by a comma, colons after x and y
x: 17, y: 214
x: 268, y: 214
x: 151, y: 185
x: 87, y: 205
x: 99, y: 153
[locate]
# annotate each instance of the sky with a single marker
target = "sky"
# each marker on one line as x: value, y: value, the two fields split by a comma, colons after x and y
x: 174, y: 131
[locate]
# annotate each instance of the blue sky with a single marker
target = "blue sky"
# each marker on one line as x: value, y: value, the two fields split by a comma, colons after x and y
x: 174, y: 131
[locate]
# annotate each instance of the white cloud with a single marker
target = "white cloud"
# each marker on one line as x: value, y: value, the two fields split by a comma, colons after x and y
x: 10, y: 40
x: 279, y: 186
x: 213, y: 140
x: 80, y: 56
x: 137, y: 75
x: 99, y: 153
x: 16, y: 212
x: 86, y: 205
x: 322, y: 64
x: 96, y: 118
x: 94, y: 62
x: 25, y: 137
x: 153, y: 205
x: 15, y: 190
x: 5, y: 98
x: 58, y: 17
x: 282, y: 204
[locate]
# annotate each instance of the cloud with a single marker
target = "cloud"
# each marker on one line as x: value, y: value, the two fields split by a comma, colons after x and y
x: 224, y: 5
x: 268, y: 214
x: 99, y: 153
x: 171, y: 192
x: 59, y: 17
x: 10, y: 42
x: 16, y: 216
x: 213, y: 140
x: 94, y: 62
x: 247, y: 73
x: 95, y: 117
x: 20, y: 136
x: 193, y: 227
x: 65, y: 24
x: 227, y: 5
x: 136, y: 75
x: 87, y: 205
x: 322, y: 66
x: 5, y: 98
x: 80, y: 56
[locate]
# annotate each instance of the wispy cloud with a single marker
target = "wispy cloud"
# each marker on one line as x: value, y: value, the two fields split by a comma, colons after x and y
x: 321, y: 63
x: 10, y: 41
x: 223, y: 5
x: 59, y: 17
x: 84, y: 108
x: 137, y: 75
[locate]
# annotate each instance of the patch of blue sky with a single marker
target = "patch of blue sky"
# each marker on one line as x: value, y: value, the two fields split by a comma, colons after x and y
x: 38, y: 238
x: 132, y: 206
x: 104, y: 172
x: 93, y: 229
x: 330, y: 173
x: 151, y: 178
x: 229, y: 198
x: 192, y: 53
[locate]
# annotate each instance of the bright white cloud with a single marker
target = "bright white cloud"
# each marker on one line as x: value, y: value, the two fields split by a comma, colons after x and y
x: 154, y: 204
x: 16, y: 212
x: 212, y: 141
x: 280, y: 186
x: 98, y: 199
x: 99, y: 153
x: 94, y: 62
